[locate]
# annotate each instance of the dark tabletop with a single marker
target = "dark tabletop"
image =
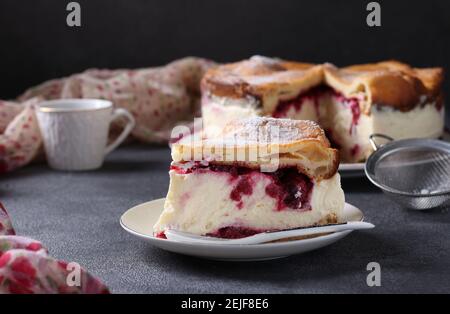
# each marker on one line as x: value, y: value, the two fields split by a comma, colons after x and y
x: 76, y: 215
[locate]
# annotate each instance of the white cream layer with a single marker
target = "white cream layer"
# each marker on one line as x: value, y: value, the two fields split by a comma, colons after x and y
x: 424, y: 121
x: 200, y: 203
x: 218, y: 111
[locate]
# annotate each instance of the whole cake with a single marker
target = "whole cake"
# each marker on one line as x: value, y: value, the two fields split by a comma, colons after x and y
x: 350, y: 103
x: 261, y: 174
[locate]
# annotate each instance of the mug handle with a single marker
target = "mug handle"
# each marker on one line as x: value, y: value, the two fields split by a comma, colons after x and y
x: 120, y: 112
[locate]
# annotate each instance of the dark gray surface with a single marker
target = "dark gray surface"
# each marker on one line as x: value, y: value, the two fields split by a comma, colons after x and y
x: 77, y: 215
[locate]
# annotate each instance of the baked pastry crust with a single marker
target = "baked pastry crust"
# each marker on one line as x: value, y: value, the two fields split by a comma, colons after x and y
x: 262, y: 141
x: 388, y: 83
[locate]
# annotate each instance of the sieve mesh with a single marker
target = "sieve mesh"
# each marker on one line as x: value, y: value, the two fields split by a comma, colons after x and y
x: 414, y: 172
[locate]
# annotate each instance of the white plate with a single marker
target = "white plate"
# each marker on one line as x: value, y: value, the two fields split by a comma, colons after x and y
x: 140, y: 219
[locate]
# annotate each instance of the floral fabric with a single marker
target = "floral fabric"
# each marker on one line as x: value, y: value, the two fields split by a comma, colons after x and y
x: 26, y: 267
x: 158, y: 98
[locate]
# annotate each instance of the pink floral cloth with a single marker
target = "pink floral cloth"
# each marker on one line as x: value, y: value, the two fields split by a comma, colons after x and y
x: 159, y: 98
x: 26, y: 267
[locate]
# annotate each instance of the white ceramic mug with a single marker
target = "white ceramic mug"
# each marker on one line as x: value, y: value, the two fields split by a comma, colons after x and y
x: 75, y: 131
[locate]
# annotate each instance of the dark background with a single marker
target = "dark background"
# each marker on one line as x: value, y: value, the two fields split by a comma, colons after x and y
x: 36, y: 44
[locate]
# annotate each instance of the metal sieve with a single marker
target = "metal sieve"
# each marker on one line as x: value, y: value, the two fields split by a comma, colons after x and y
x: 414, y: 172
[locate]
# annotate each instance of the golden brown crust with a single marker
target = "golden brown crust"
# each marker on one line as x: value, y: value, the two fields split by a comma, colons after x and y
x: 262, y: 78
x: 388, y: 83
x: 261, y: 141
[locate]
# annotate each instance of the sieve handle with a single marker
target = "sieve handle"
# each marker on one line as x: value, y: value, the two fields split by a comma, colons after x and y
x: 372, y: 138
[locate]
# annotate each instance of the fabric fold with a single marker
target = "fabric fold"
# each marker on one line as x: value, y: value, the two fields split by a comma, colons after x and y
x: 26, y: 267
x: 159, y: 98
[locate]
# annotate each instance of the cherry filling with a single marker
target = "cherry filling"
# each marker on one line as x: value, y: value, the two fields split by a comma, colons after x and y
x: 291, y: 189
x: 312, y: 94
x: 243, y: 187
x: 234, y: 232
x: 161, y: 235
x: 353, y: 104
x: 203, y: 166
x: 315, y: 94
x: 355, y: 150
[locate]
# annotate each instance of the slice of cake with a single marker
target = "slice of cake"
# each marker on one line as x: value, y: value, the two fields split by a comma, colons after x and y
x: 261, y: 174
x: 349, y: 103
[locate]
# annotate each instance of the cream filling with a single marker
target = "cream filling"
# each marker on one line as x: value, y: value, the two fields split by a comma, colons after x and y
x: 201, y: 204
x: 218, y: 111
x: 351, y: 136
x: 424, y: 121
x: 421, y: 122
x: 308, y: 111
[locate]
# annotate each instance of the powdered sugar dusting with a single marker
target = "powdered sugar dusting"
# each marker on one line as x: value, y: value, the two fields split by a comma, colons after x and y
x: 259, y: 70
x: 264, y: 130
